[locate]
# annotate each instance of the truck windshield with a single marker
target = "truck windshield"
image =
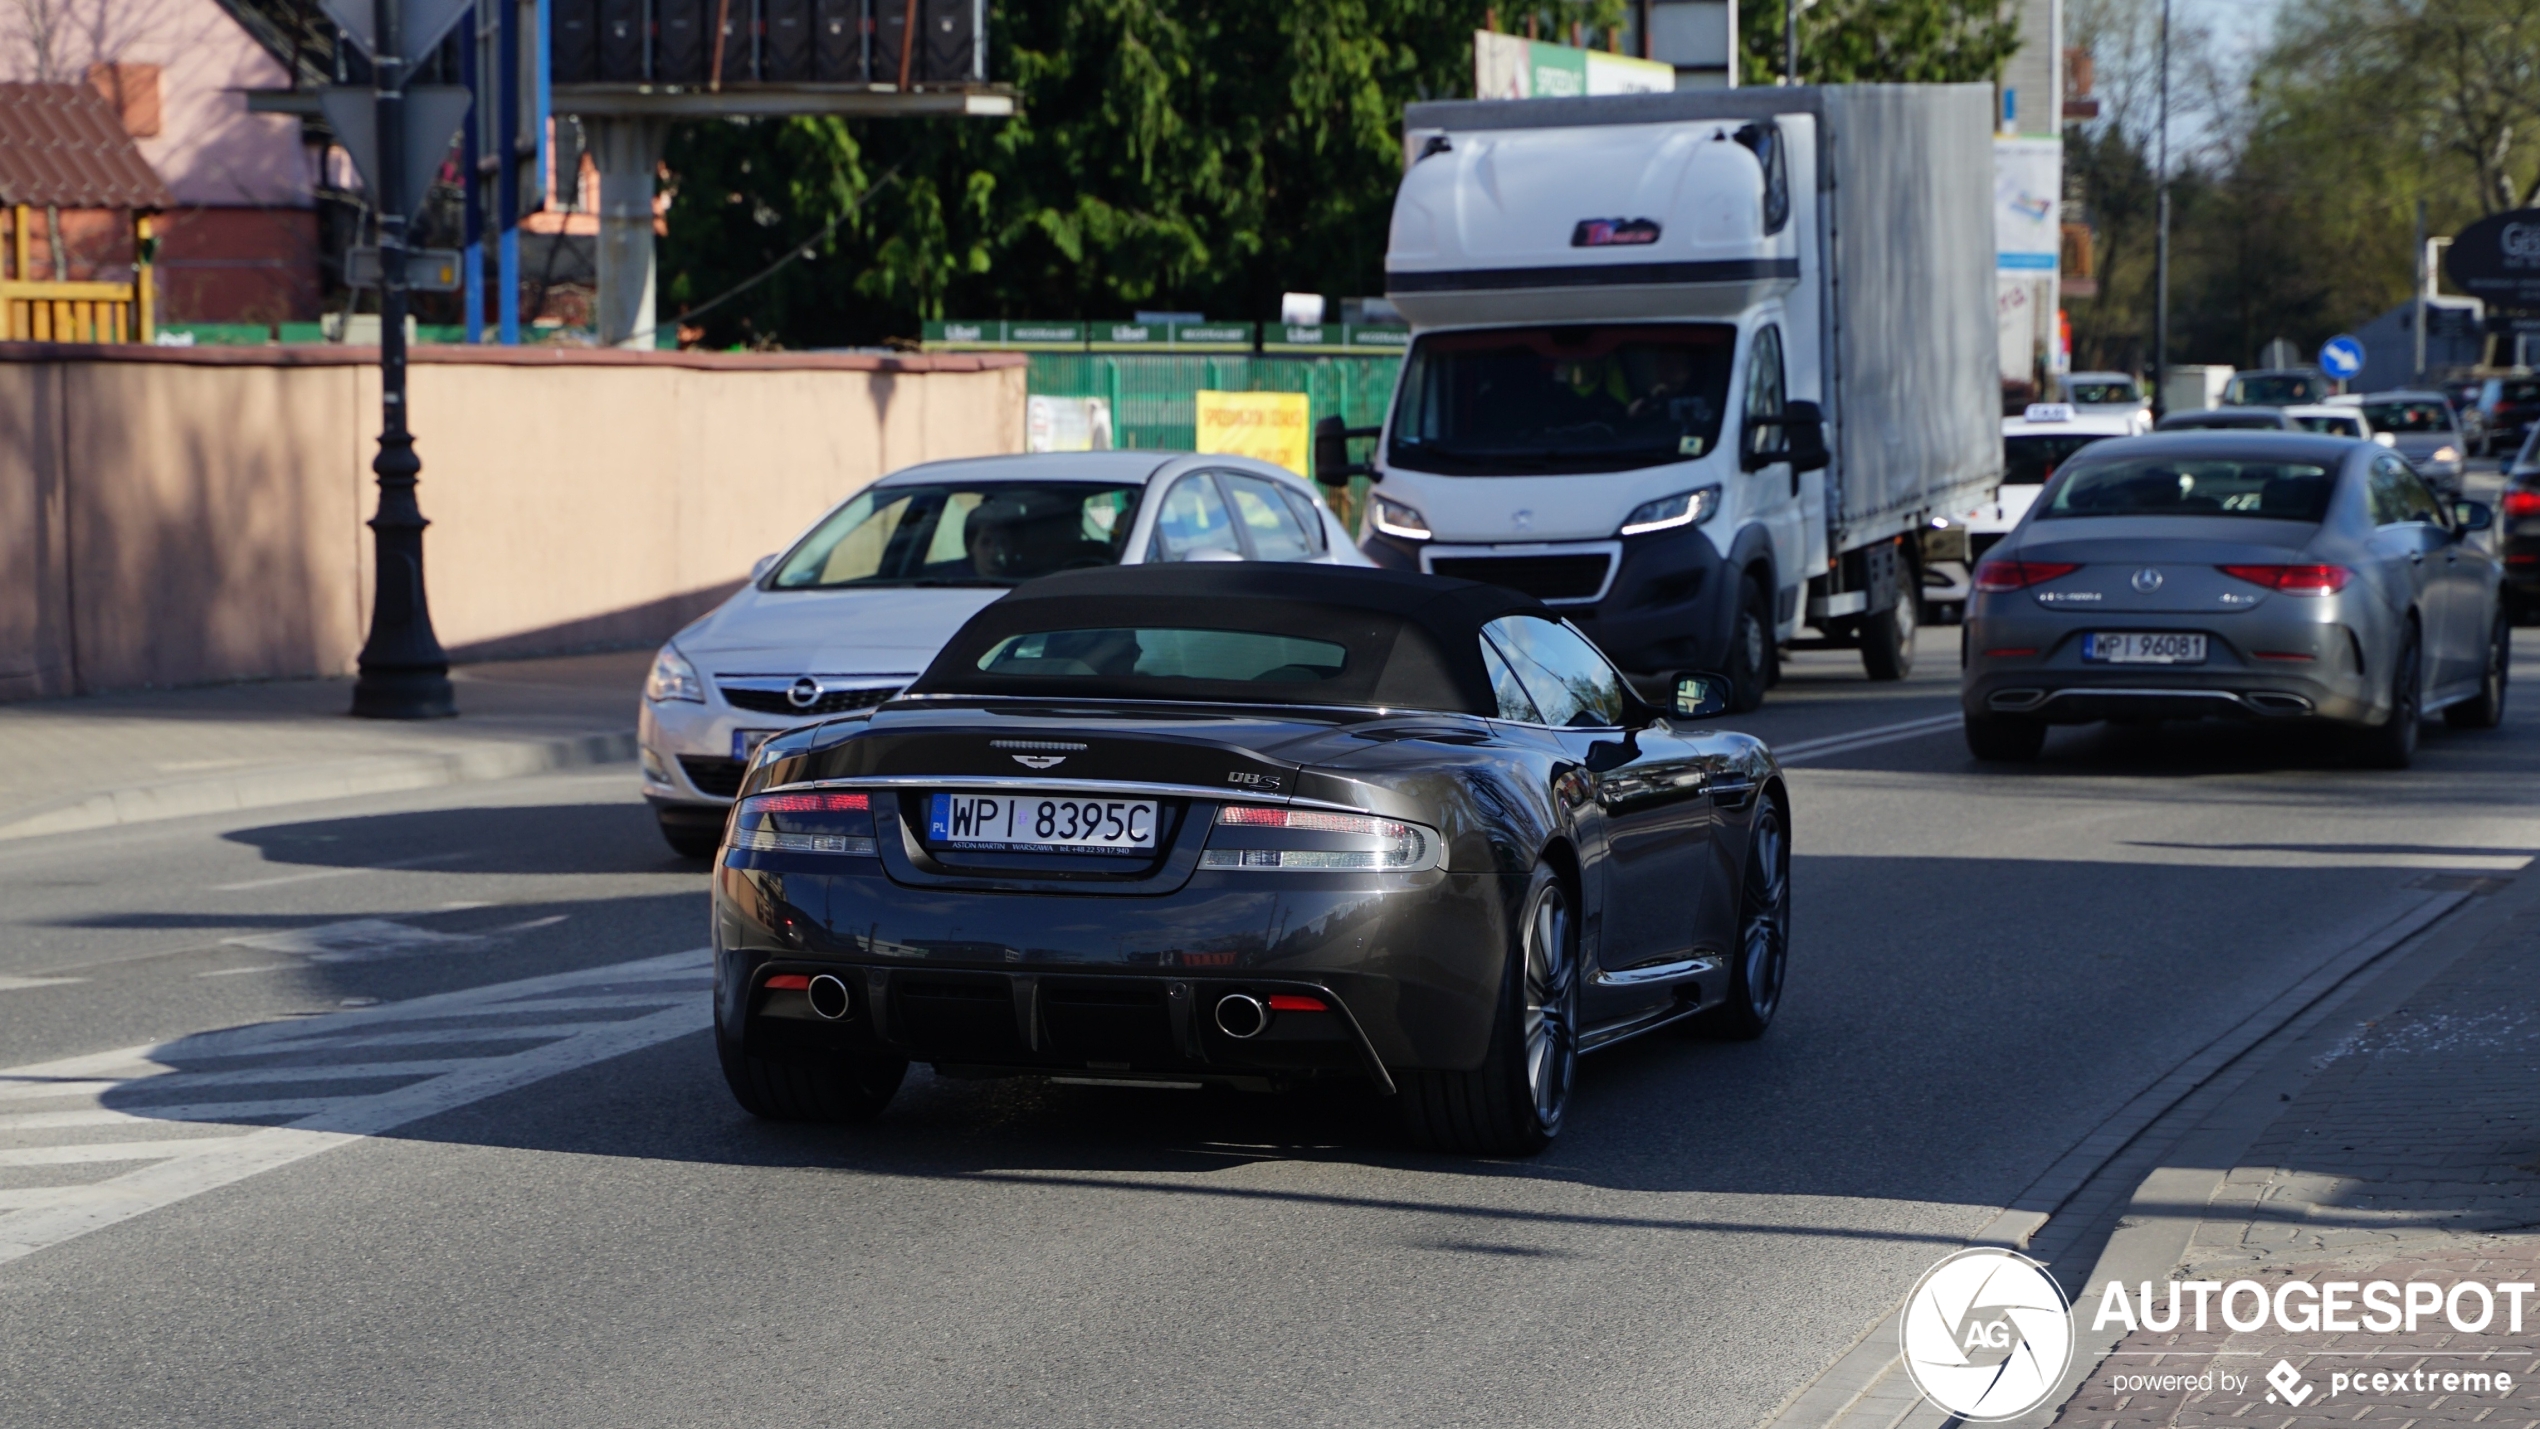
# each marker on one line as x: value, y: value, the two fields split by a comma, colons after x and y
x: 1531, y: 401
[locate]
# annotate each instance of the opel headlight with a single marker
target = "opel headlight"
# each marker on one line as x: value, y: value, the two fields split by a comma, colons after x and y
x: 1395, y: 519
x: 673, y: 678
x: 1685, y: 508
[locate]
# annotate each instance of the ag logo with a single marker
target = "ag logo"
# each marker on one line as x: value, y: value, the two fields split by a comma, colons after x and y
x: 1040, y: 761
x: 1987, y: 1334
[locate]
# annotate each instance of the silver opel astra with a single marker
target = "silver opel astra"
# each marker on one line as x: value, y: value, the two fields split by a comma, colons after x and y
x: 2244, y: 575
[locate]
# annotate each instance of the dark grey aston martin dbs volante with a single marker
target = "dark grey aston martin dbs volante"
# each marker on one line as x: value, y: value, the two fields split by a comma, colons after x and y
x: 1251, y: 825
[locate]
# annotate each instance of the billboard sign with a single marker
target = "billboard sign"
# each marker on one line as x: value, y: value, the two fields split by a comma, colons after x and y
x: 2498, y: 259
x: 1514, y: 67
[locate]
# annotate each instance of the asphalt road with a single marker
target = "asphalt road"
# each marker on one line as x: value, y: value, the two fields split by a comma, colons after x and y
x: 1988, y: 962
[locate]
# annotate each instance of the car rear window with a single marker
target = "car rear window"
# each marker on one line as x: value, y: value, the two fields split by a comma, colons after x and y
x: 1115, y: 654
x: 2265, y: 490
x: 2408, y: 416
x: 2028, y: 461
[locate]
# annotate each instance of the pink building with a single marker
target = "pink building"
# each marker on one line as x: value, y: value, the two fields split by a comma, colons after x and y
x: 241, y: 243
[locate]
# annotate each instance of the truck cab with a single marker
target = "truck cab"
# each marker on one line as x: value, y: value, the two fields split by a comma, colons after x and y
x: 1617, y: 396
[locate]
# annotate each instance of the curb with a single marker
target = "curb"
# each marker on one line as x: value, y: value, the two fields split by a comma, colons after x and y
x: 310, y: 783
x: 2161, y: 1217
x: 1866, y: 1388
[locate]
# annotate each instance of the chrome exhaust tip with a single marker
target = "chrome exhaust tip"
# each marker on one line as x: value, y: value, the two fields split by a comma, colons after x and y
x: 829, y: 997
x: 1241, y: 1016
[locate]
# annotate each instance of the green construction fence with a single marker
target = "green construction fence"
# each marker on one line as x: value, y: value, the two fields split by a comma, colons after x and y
x: 1153, y: 397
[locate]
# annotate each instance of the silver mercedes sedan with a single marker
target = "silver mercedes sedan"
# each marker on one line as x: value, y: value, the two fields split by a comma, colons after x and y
x: 2242, y: 575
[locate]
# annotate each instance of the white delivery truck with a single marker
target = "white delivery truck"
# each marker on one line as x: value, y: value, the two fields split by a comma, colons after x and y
x: 1697, y: 369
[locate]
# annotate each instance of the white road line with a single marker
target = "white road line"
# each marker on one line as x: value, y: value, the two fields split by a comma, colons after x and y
x: 546, y: 922
x: 111, y: 1151
x: 258, y: 968
x: 313, y: 875
x: 1807, y: 749
x: 12, y: 984
x: 253, y: 1076
x: 165, y: 1115
x: 193, y: 1165
x: 435, y: 1036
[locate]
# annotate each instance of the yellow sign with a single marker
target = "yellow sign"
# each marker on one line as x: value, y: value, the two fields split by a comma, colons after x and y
x: 1276, y: 427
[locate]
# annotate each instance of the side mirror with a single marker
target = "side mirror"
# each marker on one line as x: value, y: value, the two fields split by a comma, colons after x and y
x: 2474, y: 515
x: 1332, y: 465
x: 760, y: 567
x: 1807, y: 436
x: 1701, y: 696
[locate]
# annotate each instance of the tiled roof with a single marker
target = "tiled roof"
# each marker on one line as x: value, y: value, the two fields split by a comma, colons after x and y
x: 63, y: 144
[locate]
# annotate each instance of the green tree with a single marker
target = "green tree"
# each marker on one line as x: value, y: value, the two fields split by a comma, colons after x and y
x: 1203, y: 155
x: 1880, y: 41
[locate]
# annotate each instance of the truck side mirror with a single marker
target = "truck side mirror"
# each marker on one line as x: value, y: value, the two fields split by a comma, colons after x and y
x: 1807, y: 428
x: 1332, y: 465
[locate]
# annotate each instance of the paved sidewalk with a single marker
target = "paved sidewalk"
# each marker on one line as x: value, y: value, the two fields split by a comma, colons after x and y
x: 2412, y: 1154
x: 102, y: 760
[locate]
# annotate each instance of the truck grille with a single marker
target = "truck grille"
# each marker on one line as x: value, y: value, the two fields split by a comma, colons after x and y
x: 1572, y: 577
x: 777, y: 702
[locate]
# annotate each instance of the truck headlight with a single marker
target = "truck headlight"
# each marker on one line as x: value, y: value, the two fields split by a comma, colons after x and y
x: 1395, y: 519
x: 1685, y: 508
x: 673, y: 678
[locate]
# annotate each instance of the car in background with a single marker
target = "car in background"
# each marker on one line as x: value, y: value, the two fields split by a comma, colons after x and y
x: 1241, y: 827
x: 2108, y: 394
x: 2034, y: 445
x: 2462, y: 393
x: 2278, y: 387
x: 2236, y: 419
x: 2518, y: 528
x: 859, y: 603
x: 2243, y: 575
x: 2332, y: 419
x: 2509, y: 406
x: 2421, y: 426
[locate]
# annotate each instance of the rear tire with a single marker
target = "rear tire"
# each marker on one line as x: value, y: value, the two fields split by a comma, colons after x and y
x: 2000, y: 740
x: 2392, y: 744
x: 1512, y: 1105
x: 838, y: 1088
x: 1762, y: 957
x: 1887, y: 641
x: 2486, y: 709
x: 1751, y: 648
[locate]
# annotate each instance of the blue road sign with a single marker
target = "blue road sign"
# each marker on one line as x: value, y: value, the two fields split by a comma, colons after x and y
x: 2341, y: 357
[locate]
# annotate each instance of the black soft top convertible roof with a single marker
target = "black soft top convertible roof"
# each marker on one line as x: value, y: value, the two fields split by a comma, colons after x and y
x: 1413, y: 640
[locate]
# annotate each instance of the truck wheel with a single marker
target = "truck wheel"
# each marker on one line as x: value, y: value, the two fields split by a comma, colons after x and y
x: 1751, y: 648
x: 2005, y: 741
x: 1887, y: 641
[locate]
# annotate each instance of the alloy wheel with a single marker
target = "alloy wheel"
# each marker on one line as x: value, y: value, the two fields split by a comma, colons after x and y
x: 1764, y: 938
x: 1550, y: 1023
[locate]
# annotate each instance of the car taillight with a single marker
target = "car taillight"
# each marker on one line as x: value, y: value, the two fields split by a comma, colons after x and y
x: 2293, y: 580
x: 1254, y: 836
x: 2522, y: 501
x: 1995, y: 577
x: 820, y: 821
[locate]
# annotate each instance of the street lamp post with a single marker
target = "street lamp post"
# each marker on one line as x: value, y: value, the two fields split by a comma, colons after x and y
x: 404, y: 674
x: 2161, y: 240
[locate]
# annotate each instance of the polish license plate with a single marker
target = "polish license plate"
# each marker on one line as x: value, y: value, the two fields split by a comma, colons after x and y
x: 745, y: 742
x: 1042, y: 823
x: 2144, y: 649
